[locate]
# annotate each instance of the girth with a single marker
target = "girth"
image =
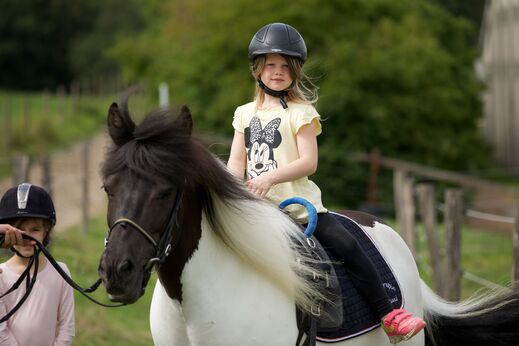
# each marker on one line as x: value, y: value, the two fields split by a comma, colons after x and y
x: 324, y: 313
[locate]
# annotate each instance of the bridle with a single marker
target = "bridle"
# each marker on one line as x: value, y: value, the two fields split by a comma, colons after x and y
x: 163, y: 248
x: 168, y: 241
x: 30, y: 281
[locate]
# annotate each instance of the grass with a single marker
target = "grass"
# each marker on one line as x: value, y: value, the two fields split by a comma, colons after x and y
x: 485, y: 255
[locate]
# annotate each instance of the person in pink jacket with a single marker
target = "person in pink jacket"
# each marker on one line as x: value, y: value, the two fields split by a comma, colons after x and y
x: 47, y: 316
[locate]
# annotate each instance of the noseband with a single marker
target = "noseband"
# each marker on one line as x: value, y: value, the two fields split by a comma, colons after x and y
x: 168, y: 241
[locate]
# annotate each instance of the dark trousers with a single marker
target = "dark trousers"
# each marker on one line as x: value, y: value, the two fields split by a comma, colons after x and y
x: 332, y: 235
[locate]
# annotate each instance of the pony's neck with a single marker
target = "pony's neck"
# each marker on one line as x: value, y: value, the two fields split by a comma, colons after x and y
x: 190, y: 226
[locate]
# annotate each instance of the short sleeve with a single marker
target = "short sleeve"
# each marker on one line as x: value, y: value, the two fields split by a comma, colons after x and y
x: 237, y: 121
x: 307, y: 115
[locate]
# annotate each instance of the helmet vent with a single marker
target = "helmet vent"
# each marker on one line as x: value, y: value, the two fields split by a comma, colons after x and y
x: 23, y: 195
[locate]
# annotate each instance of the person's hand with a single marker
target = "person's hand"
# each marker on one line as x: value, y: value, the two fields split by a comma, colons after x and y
x: 259, y: 185
x: 13, y: 236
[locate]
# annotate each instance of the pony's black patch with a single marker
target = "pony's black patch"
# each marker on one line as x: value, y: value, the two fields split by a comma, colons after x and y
x: 358, y: 317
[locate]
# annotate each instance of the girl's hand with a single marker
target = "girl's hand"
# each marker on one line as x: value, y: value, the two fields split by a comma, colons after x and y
x: 259, y: 185
x: 13, y: 236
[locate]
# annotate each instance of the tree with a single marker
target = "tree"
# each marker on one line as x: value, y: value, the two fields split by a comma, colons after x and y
x: 393, y: 75
x: 44, y: 44
x: 34, y: 39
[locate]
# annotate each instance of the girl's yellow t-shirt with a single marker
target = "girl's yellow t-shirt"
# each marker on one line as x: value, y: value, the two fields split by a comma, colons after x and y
x: 270, y: 141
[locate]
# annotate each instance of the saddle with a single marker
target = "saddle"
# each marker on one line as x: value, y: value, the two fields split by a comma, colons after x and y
x: 344, y: 314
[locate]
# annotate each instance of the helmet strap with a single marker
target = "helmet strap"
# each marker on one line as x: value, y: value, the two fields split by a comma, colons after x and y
x: 281, y: 94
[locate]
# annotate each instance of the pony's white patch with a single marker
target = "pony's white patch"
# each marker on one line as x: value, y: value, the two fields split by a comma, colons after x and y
x: 166, y: 320
x: 236, y: 298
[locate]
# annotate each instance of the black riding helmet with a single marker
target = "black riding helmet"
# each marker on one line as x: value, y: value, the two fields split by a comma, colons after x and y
x: 27, y: 200
x: 277, y: 38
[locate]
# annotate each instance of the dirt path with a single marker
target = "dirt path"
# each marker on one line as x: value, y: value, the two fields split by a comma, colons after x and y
x: 67, y: 178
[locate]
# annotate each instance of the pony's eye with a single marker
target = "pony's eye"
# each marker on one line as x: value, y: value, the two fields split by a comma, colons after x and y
x: 107, y: 191
x: 165, y: 194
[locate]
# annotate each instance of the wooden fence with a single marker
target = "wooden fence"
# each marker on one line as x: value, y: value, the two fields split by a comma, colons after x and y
x: 71, y: 177
x: 411, y: 199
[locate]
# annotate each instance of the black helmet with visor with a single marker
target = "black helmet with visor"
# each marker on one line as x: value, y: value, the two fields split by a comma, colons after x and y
x: 277, y: 38
x: 27, y: 200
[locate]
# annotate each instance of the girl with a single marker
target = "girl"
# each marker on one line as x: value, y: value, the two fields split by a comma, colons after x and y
x: 47, y: 316
x: 275, y: 145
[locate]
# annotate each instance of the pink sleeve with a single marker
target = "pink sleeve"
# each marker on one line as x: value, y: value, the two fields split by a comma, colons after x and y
x: 65, y: 329
x: 6, y: 337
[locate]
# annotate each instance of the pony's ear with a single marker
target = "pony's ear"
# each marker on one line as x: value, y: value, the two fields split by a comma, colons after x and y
x: 185, y: 119
x: 120, y: 125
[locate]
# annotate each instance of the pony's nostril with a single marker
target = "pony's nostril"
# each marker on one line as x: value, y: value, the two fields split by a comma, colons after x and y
x: 124, y: 267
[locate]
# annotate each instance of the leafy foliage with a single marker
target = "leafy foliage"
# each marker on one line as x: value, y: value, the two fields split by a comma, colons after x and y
x: 393, y: 75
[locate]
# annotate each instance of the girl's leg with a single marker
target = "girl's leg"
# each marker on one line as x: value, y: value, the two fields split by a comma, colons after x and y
x: 398, y: 324
x: 332, y: 235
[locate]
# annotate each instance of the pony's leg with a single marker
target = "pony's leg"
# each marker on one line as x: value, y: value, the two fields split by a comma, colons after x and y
x: 166, y: 320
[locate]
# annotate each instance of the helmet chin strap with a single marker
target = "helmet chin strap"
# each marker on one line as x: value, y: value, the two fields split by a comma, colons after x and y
x: 19, y: 254
x: 281, y: 94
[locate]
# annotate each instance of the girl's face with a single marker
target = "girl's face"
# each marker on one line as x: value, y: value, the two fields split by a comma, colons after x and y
x: 276, y: 73
x: 36, y: 228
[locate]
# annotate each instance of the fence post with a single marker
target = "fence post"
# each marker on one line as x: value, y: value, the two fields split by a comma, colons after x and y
x: 46, y: 173
x: 85, y: 153
x: 515, y: 271
x: 427, y: 208
x: 61, y: 103
x: 6, y: 134
x: 163, y: 95
x: 404, y: 207
x: 374, y: 168
x: 454, y: 211
x: 21, y: 164
x: 26, y: 113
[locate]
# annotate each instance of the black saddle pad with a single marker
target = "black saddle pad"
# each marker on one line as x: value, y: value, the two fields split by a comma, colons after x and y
x: 358, y: 317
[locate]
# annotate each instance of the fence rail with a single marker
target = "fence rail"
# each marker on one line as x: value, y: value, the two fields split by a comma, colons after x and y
x: 411, y: 199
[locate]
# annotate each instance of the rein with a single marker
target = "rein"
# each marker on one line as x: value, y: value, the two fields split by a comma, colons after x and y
x: 26, y: 275
x: 30, y: 281
x: 166, y: 244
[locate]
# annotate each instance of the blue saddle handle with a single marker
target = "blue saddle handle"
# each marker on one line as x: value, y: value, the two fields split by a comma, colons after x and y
x: 312, y: 212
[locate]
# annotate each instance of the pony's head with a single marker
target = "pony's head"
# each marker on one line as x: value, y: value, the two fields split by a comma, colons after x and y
x: 144, y: 175
x: 159, y: 180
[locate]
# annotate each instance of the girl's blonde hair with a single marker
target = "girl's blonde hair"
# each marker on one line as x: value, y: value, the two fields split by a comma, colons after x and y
x: 302, y: 89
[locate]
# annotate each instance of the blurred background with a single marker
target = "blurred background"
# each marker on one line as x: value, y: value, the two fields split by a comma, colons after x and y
x: 418, y: 99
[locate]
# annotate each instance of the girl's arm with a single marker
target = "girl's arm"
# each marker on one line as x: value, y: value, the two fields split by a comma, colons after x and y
x: 304, y: 166
x: 237, y: 157
x: 65, y: 329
